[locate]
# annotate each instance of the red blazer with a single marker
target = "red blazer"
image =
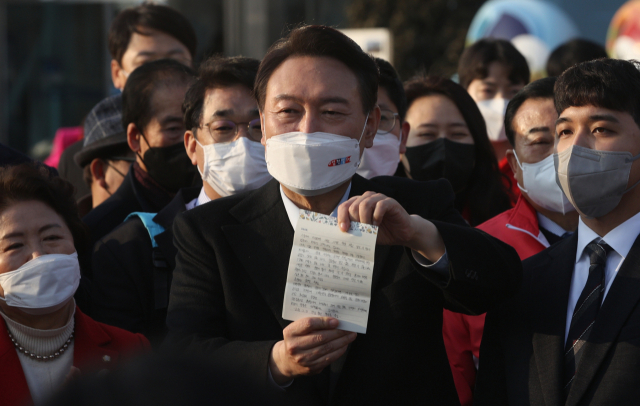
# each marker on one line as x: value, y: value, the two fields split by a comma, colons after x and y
x: 462, y: 334
x: 97, y: 346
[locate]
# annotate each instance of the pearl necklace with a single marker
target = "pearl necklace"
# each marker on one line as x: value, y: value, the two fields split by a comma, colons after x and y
x: 42, y: 357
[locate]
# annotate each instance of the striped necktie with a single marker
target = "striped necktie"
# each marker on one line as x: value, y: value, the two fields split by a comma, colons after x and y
x: 586, y: 310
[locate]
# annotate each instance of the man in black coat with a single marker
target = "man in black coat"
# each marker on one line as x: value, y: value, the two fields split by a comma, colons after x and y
x: 133, y: 264
x: 151, y: 116
x: 571, y: 336
x: 228, y: 286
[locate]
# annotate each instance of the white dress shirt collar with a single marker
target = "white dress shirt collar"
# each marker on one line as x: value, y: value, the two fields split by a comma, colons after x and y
x: 293, y: 211
x: 620, y: 238
x: 550, y: 225
x: 201, y: 199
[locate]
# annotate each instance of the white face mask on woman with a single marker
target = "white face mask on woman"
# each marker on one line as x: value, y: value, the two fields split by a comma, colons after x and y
x: 382, y: 158
x: 493, y: 111
x: 42, y: 285
x: 313, y: 164
x: 233, y: 167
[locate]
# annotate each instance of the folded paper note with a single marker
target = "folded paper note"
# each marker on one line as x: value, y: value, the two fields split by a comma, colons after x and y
x: 330, y: 271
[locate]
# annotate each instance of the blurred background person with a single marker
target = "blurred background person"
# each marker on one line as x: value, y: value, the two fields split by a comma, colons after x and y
x: 534, y: 27
x: 44, y: 336
x: 493, y: 71
x: 137, y: 35
x: 447, y: 139
x: 541, y: 217
x: 223, y: 141
x: 383, y: 158
x: 152, y: 117
x: 105, y: 156
x: 571, y: 53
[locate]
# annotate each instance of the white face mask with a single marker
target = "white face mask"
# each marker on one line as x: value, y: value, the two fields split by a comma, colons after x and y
x: 313, y: 164
x: 493, y: 111
x: 42, y: 285
x: 540, y: 185
x: 233, y: 167
x: 382, y: 158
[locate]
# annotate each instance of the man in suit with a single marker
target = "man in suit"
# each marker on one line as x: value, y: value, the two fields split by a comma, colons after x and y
x: 132, y: 269
x: 152, y: 118
x: 316, y: 90
x: 571, y: 336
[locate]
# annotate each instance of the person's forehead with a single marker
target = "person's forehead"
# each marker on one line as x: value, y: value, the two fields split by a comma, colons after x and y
x: 308, y: 78
x: 590, y: 112
x: 168, y: 97
x: 150, y: 40
x: 237, y: 98
x: 24, y: 215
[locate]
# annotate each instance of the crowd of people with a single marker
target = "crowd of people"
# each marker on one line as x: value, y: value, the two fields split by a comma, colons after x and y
x: 493, y: 196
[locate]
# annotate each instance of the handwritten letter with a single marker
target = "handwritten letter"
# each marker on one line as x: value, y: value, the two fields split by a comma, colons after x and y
x: 330, y: 271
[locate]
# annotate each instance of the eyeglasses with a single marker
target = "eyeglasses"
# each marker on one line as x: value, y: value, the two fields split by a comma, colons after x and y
x: 226, y: 131
x: 387, y: 121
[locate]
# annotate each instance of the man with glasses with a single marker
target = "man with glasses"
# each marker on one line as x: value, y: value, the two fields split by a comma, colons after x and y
x: 223, y: 141
x: 391, y: 138
x: 105, y: 156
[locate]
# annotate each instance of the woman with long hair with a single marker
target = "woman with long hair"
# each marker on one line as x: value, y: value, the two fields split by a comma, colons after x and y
x: 448, y: 139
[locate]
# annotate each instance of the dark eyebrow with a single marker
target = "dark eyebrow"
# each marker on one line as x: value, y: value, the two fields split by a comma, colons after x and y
x: 41, y: 230
x: 231, y: 113
x: 539, y: 130
x: 325, y: 100
x: 458, y: 125
x: 604, y: 117
x: 563, y: 120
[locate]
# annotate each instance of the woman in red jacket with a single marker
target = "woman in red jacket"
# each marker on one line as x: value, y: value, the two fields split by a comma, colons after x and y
x: 44, y: 337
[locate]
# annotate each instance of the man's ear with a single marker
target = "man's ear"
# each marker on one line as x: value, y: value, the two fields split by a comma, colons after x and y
x: 263, y: 140
x: 371, y: 127
x: 404, y: 135
x: 513, y: 163
x: 98, y: 172
x: 117, y: 76
x: 133, y: 138
x: 190, y: 145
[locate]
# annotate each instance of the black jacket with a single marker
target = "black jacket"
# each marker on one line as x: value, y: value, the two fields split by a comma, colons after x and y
x: 131, y: 279
x: 228, y: 289
x: 521, y: 356
x: 112, y: 212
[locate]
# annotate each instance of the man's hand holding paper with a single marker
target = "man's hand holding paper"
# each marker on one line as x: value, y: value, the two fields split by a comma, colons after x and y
x: 396, y: 226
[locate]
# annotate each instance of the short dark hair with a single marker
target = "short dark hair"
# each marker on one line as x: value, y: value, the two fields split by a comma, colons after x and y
x: 390, y: 81
x: 475, y: 60
x: 33, y: 181
x: 538, y: 89
x: 612, y: 84
x: 154, y: 16
x: 485, y: 196
x: 571, y: 53
x: 321, y: 41
x: 217, y: 72
x: 143, y: 82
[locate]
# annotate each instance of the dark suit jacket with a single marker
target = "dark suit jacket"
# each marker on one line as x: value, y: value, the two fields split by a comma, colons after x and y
x: 123, y: 292
x: 112, y: 212
x: 93, y: 342
x: 521, y: 357
x: 229, y: 281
